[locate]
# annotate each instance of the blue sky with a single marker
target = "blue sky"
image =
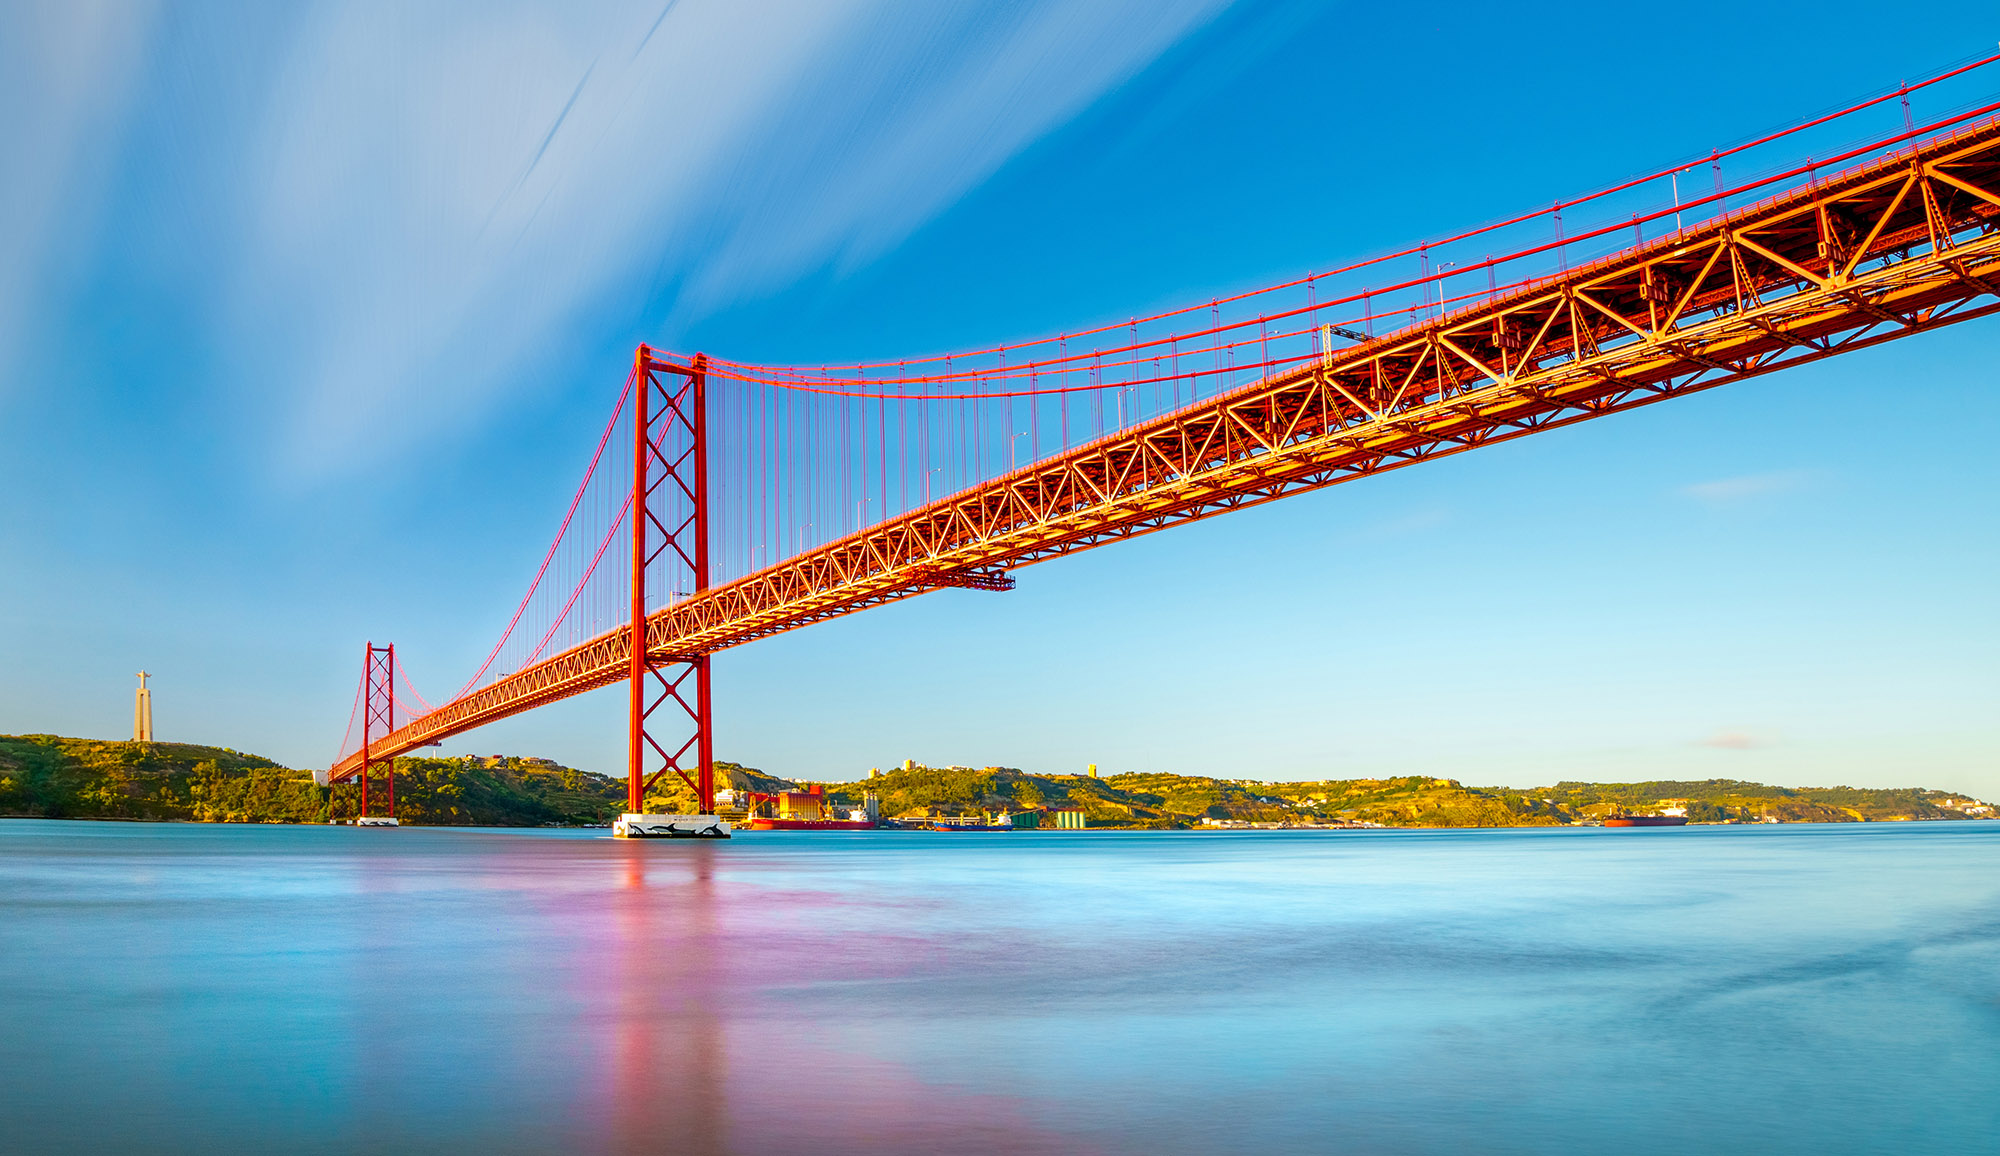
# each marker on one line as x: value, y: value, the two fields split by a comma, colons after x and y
x: 310, y: 314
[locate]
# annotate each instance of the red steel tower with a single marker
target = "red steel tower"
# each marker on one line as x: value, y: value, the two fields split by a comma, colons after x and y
x: 378, y: 715
x: 669, y: 475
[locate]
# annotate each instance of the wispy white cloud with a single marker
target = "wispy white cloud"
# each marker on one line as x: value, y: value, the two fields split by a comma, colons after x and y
x: 944, y: 96
x: 66, y: 68
x: 1728, y: 490
x: 1732, y: 739
x: 441, y: 195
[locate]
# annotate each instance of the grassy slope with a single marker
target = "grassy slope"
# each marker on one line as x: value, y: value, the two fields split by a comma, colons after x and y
x: 48, y: 776
x: 1160, y: 800
x: 1720, y: 799
x: 52, y: 777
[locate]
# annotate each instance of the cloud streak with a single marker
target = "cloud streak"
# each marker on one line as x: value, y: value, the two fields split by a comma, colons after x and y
x: 66, y: 69
x: 1729, y: 491
x: 430, y: 206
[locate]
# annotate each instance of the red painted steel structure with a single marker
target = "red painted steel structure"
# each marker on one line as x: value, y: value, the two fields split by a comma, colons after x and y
x: 1902, y: 243
x: 669, y: 430
x: 378, y: 715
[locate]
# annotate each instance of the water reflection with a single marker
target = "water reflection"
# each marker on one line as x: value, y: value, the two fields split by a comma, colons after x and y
x: 669, y: 1075
x: 245, y: 990
x: 695, y: 961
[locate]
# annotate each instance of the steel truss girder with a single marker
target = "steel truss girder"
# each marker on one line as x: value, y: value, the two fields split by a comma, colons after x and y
x: 1901, y: 245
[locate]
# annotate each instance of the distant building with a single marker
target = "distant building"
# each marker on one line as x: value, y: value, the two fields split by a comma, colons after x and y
x: 142, y: 712
x: 1093, y: 770
x: 1069, y: 818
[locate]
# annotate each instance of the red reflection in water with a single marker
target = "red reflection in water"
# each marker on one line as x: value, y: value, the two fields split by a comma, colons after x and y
x: 693, y: 959
x: 669, y: 1059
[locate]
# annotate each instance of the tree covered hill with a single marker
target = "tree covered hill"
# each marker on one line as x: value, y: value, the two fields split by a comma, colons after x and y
x: 1164, y: 800
x: 48, y: 776
x: 1723, y: 800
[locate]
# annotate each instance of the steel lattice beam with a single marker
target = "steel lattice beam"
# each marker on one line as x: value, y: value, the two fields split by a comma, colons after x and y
x: 1907, y: 243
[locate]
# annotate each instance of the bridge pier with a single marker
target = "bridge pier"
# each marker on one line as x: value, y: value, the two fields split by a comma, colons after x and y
x: 669, y: 721
x: 378, y: 707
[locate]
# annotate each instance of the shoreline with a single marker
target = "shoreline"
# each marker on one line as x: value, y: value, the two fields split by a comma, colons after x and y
x: 1134, y: 830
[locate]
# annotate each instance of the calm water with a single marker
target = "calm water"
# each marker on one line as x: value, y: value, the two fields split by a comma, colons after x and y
x: 171, y: 988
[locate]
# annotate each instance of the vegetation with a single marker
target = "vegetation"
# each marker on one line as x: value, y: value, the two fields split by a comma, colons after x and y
x: 1727, y: 800
x: 50, y: 777
x: 45, y: 776
x: 1162, y: 800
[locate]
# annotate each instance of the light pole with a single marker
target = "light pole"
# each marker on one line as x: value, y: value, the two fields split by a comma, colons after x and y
x: 1012, y: 439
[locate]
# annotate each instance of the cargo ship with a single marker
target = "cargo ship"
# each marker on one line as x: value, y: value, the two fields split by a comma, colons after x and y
x: 804, y: 811
x: 999, y: 822
x: 1647, y: 821
x: 808, y: 810
x: 761, y: 823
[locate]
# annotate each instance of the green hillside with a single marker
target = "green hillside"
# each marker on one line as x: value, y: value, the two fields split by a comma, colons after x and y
x: 1163, y: 800
x: 47, y: 776
x: 1722, y: 800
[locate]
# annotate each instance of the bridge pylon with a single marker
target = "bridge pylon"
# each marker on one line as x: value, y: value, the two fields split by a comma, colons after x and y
x: 378, y: 716
x: 670, y: 725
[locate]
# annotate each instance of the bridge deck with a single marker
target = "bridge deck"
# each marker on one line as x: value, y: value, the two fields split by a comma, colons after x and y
x: 1903, y: 244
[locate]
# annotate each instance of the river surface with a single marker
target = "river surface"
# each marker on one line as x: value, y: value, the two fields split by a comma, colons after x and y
x: 235, y: 989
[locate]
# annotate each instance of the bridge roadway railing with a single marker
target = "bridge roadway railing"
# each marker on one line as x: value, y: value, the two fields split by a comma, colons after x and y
x: 1905, y: 243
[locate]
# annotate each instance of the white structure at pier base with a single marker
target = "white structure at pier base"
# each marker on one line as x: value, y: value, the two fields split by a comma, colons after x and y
x: 629, y: 826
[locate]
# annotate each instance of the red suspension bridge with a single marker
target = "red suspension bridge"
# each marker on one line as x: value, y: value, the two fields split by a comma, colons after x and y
x: 726, y: 502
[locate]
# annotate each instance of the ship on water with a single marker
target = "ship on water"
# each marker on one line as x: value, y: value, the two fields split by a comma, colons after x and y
x: 807, y: 810
x: 935, y: 820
